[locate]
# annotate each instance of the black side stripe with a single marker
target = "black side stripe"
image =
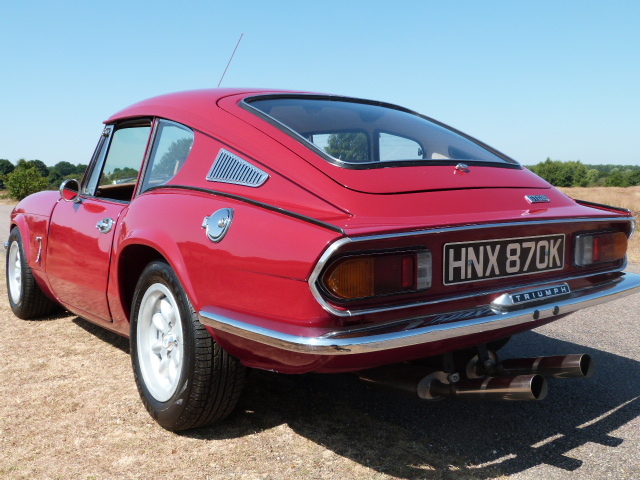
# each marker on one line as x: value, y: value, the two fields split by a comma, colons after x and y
x: 266, y: 206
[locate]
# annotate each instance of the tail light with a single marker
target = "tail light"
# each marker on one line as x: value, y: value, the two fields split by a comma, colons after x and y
x: 599, y: 248
x: 371, y: 275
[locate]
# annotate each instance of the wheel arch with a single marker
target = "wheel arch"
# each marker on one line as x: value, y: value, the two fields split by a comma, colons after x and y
x: 30, y: 232
x: 132, y: 259
x: 20, y: 222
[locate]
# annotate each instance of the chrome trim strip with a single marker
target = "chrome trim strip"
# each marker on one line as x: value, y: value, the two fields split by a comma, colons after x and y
x: 342, y: 241
x: 418, y: 330
x: 475, y: 226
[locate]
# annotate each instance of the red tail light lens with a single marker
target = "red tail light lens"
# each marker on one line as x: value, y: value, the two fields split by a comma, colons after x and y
x: 591, y: 249
x: 365, y: 276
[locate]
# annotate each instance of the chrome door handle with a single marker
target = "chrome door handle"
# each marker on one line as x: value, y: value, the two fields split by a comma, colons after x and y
x: 105, y: 225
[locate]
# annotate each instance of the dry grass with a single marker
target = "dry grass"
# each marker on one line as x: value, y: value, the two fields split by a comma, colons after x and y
x: 5, y: 200
x: 628, y: 197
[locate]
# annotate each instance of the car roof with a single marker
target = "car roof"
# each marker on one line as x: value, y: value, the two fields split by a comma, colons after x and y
x: 196, y: 108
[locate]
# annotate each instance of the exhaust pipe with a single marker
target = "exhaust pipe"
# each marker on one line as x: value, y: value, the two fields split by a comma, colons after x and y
x: 561, y: 366
x: 520, y: 387
x: 436, y: 384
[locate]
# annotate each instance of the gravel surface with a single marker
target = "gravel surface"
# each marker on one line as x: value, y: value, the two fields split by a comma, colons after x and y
x: 70, y: 410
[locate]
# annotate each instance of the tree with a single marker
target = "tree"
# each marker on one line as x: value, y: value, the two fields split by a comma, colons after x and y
x: 578, y: 173
x: 55, y: 179
x: 616, y: 179
x: 592, y: 177
x: 349, y: 147
x: 6, y: 167
x: 175, y: 155
x: 634, y: 178
x: 120, y: 175
x: 64, y: 168
x: 562, y: 174
x: 39, y: 164
x: 80, y: 169
x: 24, y: 181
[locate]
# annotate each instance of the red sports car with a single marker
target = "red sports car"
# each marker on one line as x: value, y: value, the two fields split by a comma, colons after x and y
x: 296, y: 232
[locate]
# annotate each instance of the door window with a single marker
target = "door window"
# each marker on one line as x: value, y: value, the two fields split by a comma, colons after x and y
x: 116, y: 178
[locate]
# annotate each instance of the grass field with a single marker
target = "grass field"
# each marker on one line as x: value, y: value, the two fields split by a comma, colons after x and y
x: 625, y: 197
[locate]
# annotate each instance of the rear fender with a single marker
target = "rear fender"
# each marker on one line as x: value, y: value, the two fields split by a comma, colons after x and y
x: 142, y: 245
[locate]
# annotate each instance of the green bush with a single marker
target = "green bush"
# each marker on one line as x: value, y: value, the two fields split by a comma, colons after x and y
x: 22, y: 182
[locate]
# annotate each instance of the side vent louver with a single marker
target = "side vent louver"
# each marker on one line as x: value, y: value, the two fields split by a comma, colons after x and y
x: 229, y: 168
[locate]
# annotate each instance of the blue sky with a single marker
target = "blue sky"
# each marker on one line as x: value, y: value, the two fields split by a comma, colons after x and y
x: 557, y: 79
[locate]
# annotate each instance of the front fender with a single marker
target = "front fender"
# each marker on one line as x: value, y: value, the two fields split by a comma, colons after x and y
x: 32, y: 217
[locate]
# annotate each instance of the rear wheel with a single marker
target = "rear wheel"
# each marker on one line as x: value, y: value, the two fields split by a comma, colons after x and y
x: 185, y: 379
x: 25, y: 296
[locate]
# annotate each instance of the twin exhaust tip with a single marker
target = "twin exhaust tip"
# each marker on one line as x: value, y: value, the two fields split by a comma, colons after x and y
x: 514, y: 379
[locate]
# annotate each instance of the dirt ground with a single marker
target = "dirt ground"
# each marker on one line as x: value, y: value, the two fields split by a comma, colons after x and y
x: 70, y: 410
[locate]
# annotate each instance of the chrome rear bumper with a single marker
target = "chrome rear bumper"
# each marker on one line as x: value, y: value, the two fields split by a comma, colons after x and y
x: 412, y: 331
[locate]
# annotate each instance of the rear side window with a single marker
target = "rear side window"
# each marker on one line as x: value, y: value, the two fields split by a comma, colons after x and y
x: 360, y: 134
x: 171, y: 147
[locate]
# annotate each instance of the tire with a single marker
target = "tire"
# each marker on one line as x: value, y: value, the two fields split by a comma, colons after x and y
x: 26, y: 298
x: 185, y: 379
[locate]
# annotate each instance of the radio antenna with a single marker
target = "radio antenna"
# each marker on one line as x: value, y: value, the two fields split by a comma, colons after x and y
x: 234, y: 52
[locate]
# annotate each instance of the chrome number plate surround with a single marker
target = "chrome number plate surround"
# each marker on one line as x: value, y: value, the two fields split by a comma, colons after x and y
x: 477, y: 261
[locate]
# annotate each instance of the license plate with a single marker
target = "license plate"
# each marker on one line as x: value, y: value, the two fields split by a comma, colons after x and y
x: 466, y: 262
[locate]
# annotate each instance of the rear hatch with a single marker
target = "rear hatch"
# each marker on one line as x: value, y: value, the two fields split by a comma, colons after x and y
x: 378, y: 148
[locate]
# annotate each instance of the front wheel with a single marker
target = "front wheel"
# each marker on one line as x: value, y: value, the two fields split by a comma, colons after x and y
x: 185, y: 379
x: 26, y: 298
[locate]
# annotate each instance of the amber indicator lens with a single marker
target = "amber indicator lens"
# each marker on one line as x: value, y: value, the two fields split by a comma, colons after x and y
x: 600, y: 248
x: 365, y: 276
x: 351, y: 278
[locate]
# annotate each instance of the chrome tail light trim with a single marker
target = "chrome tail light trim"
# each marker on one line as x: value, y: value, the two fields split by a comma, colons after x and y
x: 338, y: 244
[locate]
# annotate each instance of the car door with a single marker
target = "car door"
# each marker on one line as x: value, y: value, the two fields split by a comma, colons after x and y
x: 81, y: 231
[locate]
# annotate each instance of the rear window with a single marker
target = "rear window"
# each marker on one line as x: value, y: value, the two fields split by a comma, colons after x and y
x: 360, y: 134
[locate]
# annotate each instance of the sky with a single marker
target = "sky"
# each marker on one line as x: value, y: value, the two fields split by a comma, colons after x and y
x: 558, y: 79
